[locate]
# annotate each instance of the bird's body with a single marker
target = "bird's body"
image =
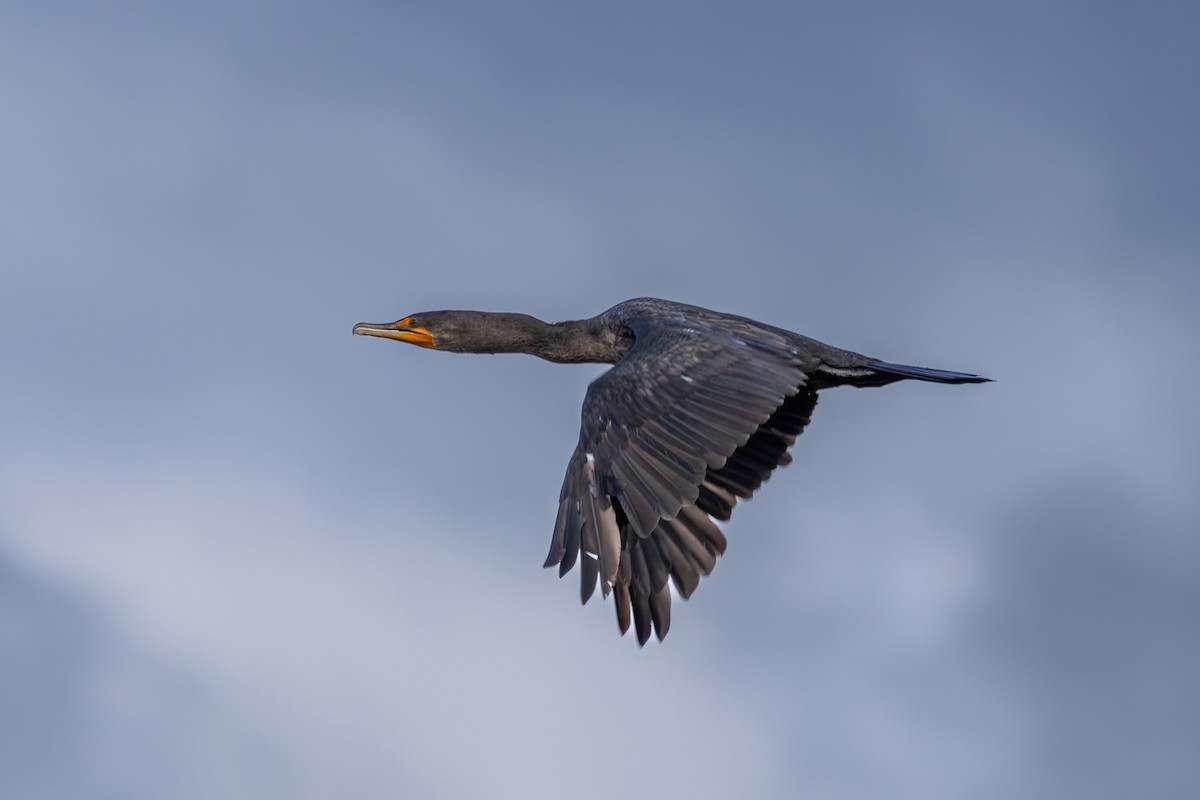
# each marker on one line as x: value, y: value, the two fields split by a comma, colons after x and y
x: 697, y: 412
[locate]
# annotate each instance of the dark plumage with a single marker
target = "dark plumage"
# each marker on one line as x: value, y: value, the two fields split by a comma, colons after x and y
x: 700, y: 408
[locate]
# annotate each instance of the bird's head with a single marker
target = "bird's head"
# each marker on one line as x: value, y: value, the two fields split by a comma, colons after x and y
x: 413, y: 329
x: 460, y: 331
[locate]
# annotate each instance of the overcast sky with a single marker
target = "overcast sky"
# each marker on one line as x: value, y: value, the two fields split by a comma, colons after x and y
x: 245, y: 554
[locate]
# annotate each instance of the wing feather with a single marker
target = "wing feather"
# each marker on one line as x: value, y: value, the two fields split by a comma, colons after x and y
x: 589, y: 572
x: 685, y: 573
x: 686, y: 424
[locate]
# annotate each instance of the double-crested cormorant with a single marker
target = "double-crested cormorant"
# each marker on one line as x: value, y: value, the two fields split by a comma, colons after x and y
x: 698, y: 410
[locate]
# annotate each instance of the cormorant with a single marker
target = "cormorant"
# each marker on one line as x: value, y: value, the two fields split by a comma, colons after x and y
x: 697, y: 412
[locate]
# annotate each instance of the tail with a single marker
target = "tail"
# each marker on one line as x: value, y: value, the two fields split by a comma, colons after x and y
x: 881, y: 373
x: 926, y: 374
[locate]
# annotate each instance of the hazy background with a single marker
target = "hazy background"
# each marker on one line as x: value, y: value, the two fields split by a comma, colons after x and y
x: 245, y: 554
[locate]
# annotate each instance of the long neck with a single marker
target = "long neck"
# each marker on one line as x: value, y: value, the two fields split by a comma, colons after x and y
x: 572, y: 342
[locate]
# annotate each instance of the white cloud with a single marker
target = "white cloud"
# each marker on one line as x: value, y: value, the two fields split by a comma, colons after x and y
x: 383, y: 632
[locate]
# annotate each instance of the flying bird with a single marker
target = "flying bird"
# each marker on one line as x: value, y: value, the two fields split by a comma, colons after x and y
x: 698, y: 410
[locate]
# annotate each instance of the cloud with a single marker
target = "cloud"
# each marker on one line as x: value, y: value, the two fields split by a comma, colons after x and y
x: 386, y: 634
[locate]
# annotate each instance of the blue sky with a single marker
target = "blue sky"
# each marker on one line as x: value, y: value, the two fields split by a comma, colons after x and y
x: 245, y: 554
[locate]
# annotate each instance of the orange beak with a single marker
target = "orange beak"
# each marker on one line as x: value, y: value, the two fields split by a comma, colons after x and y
x: 404, y: 330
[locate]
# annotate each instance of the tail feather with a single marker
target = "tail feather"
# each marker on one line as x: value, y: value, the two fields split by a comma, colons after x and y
x: 925, y: 373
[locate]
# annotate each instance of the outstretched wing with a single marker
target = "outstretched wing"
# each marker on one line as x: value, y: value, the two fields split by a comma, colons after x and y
x: 686, y: 423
